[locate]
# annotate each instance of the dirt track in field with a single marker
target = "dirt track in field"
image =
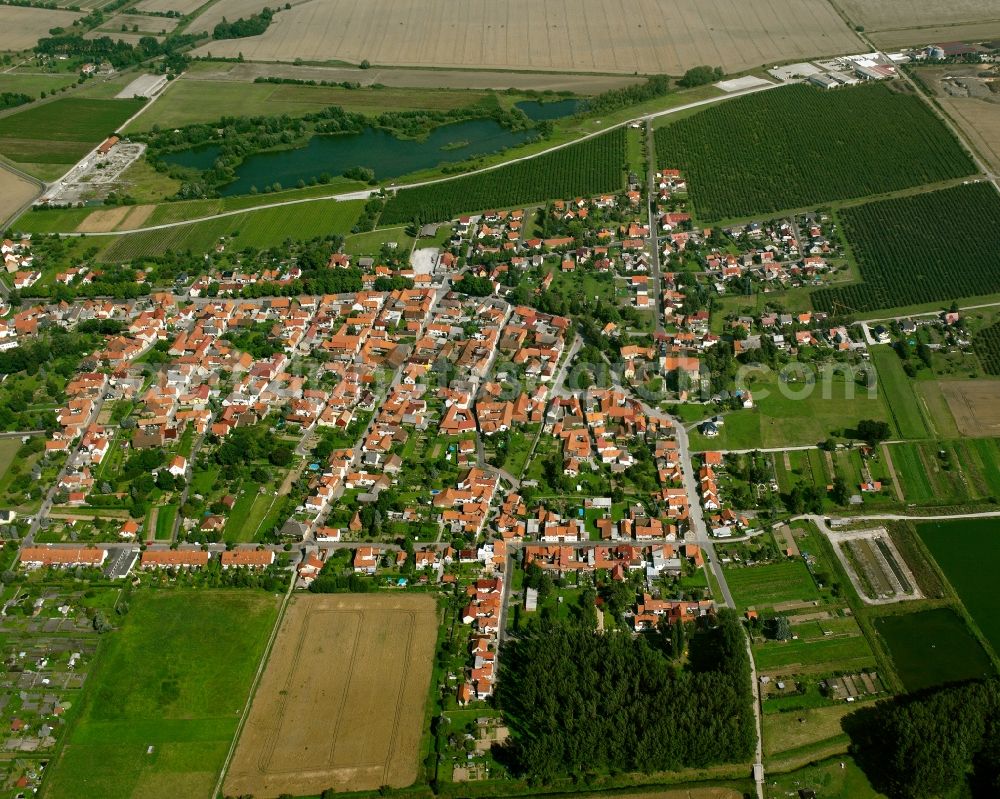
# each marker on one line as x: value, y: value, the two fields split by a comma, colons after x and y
x: 612, y: 36
x: 341, y: 702
x: 975, y: 404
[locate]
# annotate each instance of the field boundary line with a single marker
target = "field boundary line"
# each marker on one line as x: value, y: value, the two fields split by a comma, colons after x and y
x: 265, y: 657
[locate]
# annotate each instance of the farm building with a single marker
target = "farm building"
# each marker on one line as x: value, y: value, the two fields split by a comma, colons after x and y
x: 823, y: 81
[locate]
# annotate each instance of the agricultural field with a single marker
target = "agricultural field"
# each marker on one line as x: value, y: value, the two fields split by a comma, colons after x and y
x: 875, y: 567
x: 821, y: 146
x: 371, y: 243
x: 839, y: 778
x: 771, y: 584
x: 161, y: 707
x: 412, y: 78
x: 23, y: 26
x: 925, y: 248
x: 180, y: 6
x: 145, y: 24
x: 264, y: 228
x: 811, y: 726
x: 893, y: 14
x: 50, y: 138
x: 590, y: 167
x: 123, y: 217
x: 34, y: 84
x: 829, y: 645
x: 15, y: 191
x: 986, y: 344
x: 189, y: 101
x: 8, y: 450
x: 795, y: 414
x: 968, y: 552
x: 975, y: 404
x: 341, y: 703
x: 933, y: 647
x: 894, y: 23
x: 947, y: 472
x: 900, y: 399
x: 591, y: 36
x: 979, y: 120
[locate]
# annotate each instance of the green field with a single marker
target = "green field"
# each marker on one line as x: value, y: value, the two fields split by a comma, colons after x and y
x: 188, y: 101
x: 584, y: 169
x: 771, y: 584
x: 268, y: 227
x: 161, y: 706
x: 841, y: 653
x: 34, y: 85
x: 784, y: 418
x: 63, y: 131
x: 8, y: 451
x: 249, y: 515
x: 800, y: 146
x: 968, y: 552
x: 900, y: 398
x: 839, y: 778
x: 371, y: 243
x: 947, y: 472
x: 904, y: 257
x: 165, y: 517
x: 933, y: 647
x: 802, y: 727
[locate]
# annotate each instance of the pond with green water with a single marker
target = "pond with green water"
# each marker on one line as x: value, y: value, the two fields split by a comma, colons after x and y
x: 376, y: 149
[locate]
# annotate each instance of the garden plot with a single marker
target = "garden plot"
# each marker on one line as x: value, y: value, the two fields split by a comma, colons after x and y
x: 878, y: 572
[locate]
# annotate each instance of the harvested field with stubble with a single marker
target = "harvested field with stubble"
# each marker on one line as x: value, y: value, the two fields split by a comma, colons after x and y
x: 126, y: 217
x: 975, y: 404
x: 15, y: 191
x: 980, y: 122
x: 892, y: 15
x: 341, y: 702
x: 23, y: 26
x: 613, y: 36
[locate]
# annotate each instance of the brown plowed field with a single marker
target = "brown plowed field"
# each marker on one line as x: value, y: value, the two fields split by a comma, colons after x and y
x: 341, y: 702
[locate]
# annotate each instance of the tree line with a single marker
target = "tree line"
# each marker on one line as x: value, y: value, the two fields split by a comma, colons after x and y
x: 939, y: 743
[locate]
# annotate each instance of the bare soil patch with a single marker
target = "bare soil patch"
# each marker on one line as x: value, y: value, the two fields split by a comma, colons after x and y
x: 610, y: 36
x: 341, y: 702
x: 23, y: 26
x: 15, y: 191
x: 104, y: 220
x: 136, y: 217
x: 975, y: 404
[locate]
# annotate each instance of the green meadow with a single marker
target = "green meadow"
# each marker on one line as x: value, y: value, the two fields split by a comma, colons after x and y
x: 161, y: 706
